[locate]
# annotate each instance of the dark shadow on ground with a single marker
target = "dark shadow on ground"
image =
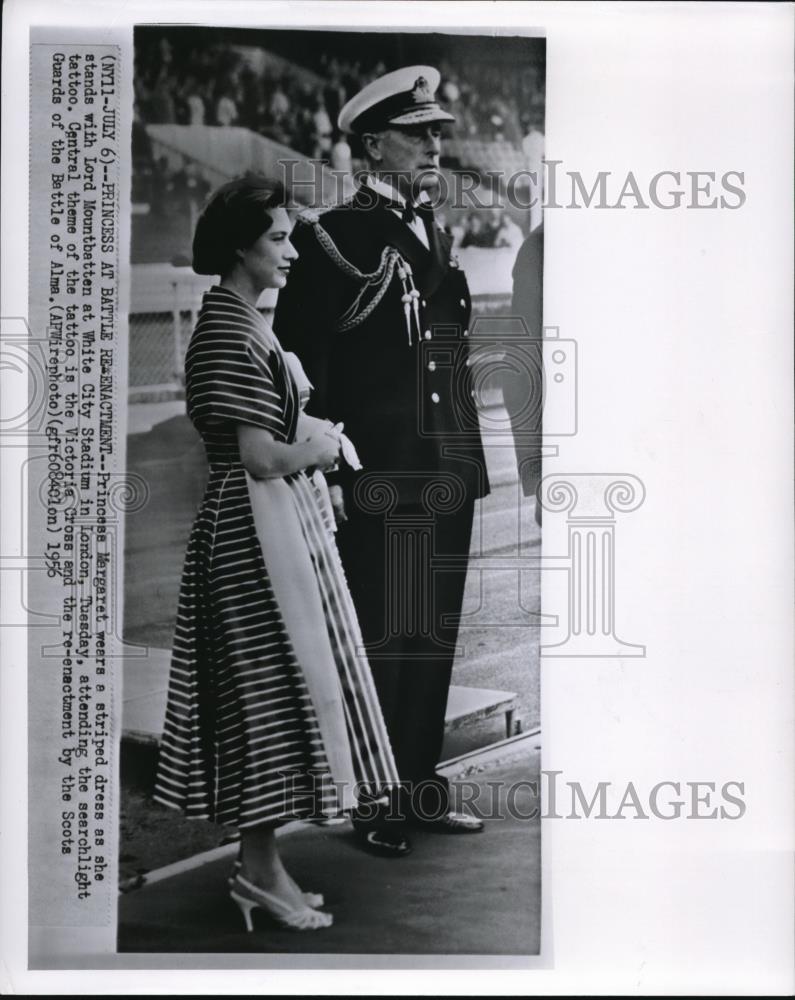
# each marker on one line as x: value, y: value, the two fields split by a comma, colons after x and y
x: 455, y: 895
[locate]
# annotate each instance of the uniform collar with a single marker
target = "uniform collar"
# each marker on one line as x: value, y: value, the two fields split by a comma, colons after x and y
x: 392, y: 194
x: 434, y: 261
x: 385, y: 190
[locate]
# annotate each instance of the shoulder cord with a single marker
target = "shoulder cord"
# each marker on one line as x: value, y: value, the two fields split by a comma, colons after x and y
x: 378, y: 280
x: 353, y: 316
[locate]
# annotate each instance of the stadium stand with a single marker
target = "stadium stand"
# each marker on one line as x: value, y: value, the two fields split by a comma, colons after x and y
x: 209, y: 105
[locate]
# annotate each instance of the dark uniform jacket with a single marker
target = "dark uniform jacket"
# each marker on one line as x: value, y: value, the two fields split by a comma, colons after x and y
x: 380, y: 324
x: 523, y: 382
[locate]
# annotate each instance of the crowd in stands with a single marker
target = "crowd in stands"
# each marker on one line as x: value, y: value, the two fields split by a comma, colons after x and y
x: 483, y: 228
x: 297, y: 105
x: 219, y: 85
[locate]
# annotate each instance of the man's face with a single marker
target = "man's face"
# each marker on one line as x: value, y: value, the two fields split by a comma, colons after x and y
x: 410, y: 153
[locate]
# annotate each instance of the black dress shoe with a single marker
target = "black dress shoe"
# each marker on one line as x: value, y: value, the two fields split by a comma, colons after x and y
x: 452, y: 822
x: 386, y: 843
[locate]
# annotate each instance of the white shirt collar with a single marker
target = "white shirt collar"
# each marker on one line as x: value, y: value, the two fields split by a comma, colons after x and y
x: 387, y: 191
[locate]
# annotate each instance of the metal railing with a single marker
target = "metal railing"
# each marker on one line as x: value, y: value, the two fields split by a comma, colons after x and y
x: 165, y: 301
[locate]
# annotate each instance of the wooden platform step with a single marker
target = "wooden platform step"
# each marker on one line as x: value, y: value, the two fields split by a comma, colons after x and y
x: 145, y: 687
x: 466, y: 705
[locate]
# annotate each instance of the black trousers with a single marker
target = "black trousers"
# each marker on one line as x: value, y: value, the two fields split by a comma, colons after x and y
x: 406, y: 571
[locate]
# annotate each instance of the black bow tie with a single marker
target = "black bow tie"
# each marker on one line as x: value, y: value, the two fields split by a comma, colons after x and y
x: 409, y: 213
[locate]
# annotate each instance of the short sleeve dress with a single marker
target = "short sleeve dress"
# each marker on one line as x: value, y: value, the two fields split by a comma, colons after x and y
x: 272, y: 714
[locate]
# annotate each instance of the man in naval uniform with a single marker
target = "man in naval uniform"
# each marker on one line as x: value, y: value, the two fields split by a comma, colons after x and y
x: 378, y: 311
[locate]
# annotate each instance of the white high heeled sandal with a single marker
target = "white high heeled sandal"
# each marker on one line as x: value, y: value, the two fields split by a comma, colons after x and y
x: 313, y: 899
x: 250, y: 897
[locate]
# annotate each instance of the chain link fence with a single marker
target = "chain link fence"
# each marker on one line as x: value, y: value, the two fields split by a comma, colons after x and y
x: 165, y: 300
x: 158, y: 342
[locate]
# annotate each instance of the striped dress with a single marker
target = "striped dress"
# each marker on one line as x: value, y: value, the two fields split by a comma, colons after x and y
x: 272, y: 714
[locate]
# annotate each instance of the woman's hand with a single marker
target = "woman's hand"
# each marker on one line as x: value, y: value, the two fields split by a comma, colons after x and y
x: 265, y: 458
x: 307, y: 426
x: 324, y: 446
x: 337, y: 503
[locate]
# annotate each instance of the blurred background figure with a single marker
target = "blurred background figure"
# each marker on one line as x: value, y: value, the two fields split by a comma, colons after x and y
x: 457, y: 231
x: 523, y: 386
x: 475, y: 233
x: 226, y: 109
x: 162, y: 108
x: 280, y: 105
x: 322, y: 131
x: 190, y: 190
x: 443, y: 224
x: 161, y: 187
x: 194, y: 102
x: 340, y: 153
x: 533, y: 149
x: 509, y: 234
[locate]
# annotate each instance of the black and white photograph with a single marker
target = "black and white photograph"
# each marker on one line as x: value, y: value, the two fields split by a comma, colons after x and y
x: 335, y: 399
x: 396, y: 496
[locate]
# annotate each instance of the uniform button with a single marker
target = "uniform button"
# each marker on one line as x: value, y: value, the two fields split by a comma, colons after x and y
x: 466, y: 333
x: 463, y: 302
x: 472, y: 393
x: 432, y: 366
x: 468, y: 362
x: 424, y: 303
x: 435, y: 397
x: 427, y: 334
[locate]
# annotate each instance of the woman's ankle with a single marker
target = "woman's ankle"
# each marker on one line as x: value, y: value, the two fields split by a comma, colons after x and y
x: 258, y: 875
x: 269, y: 879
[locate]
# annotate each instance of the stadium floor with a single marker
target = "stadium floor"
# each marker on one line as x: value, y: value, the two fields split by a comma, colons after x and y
x: 454, y: 895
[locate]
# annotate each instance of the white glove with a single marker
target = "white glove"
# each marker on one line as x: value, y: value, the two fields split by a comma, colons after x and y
x: 346, y: 447
x: 349, y: 452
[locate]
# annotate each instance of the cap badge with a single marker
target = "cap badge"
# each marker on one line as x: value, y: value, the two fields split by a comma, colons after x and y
x: 421, y: 93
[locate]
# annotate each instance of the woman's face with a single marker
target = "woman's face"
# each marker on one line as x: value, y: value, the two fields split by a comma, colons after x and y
x: 267, y: 261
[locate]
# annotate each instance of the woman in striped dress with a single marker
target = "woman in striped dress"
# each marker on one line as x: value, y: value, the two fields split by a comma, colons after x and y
x: 272, y: 714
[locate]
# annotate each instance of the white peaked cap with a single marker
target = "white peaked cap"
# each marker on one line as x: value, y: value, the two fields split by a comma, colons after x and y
x: 403, y: 97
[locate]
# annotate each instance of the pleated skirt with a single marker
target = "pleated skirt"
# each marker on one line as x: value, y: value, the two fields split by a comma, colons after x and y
x: 272, y: 714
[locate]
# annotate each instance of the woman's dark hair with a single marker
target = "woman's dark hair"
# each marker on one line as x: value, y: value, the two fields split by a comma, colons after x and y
x: 235, y: 216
